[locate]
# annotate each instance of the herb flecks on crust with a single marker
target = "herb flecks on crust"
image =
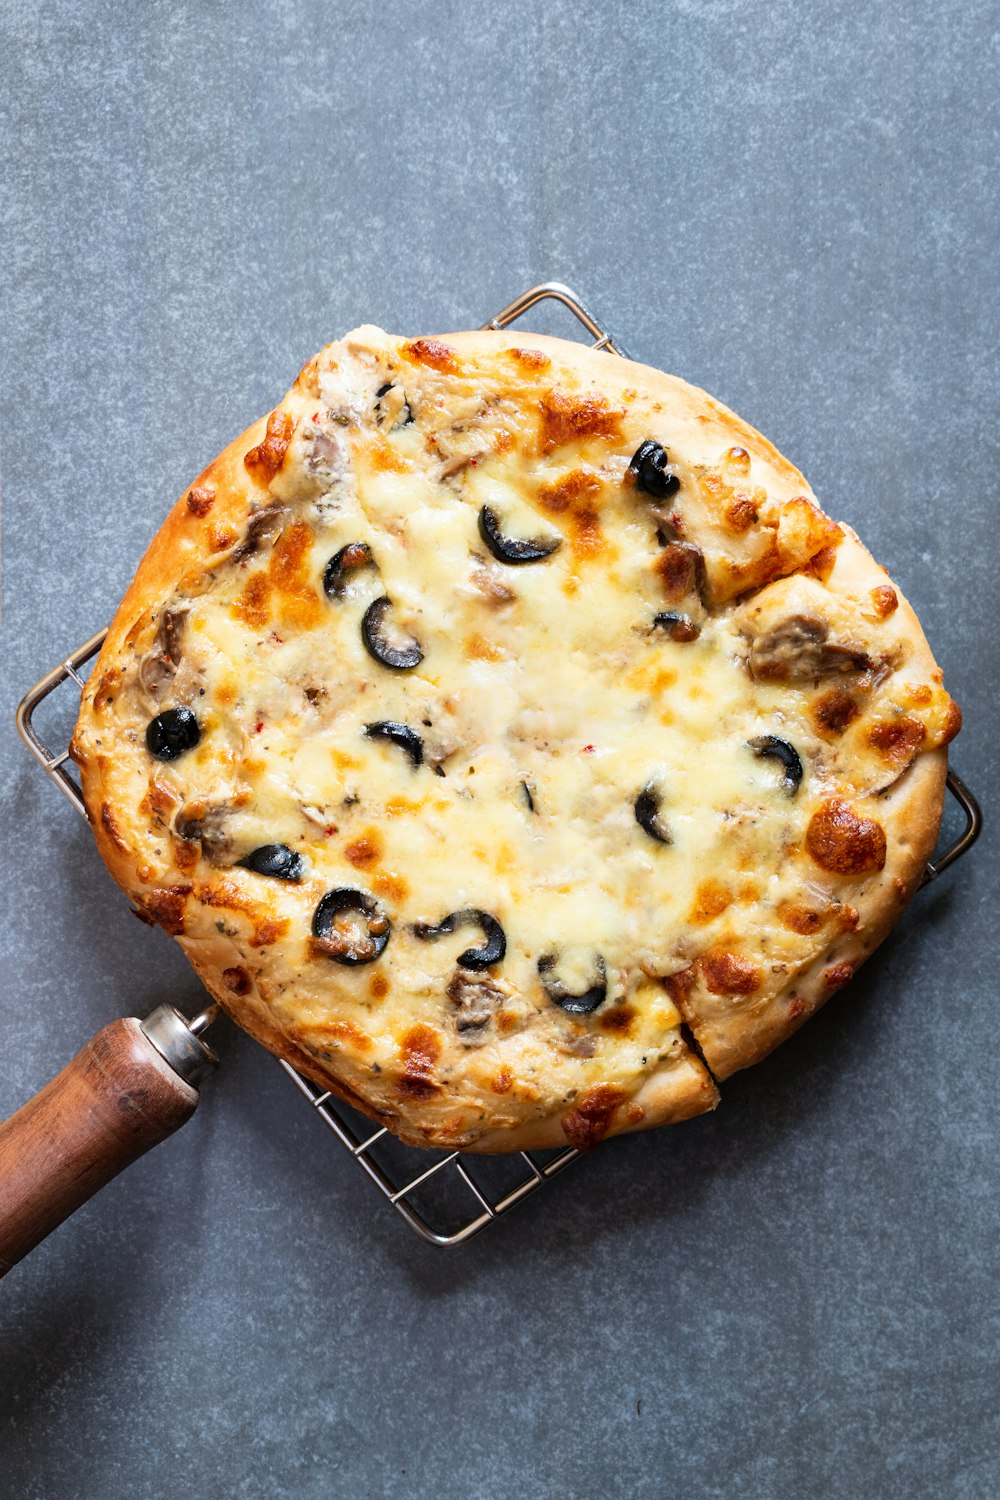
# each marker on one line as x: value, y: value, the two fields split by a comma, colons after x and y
x: 510, y: 739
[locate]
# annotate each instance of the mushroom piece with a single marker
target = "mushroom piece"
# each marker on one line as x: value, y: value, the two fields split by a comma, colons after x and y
x: 350, y: 927
x: 799, y: 650
x: 647, y: 813
x: 679, y: 627
x: 159, y: 666
x: 580, y: 1004
x: 510, y: 549
x: 653, y: 472
x: 770, y: 747
x: 491, y: 952
x: 402, y: 735
x: 263, y: 526
x: 209, y: 825
x: 475, y: 998
x: 400, y: 653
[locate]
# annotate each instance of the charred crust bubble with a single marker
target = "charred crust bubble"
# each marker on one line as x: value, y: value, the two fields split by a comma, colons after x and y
x: 276, y: 861
x: 401, y: 657
x: 354, y: 942
x: 647, y: 813
x: 402, y: 735
x: 491, y: 952
x: 652, y: 470
x: 581, y: 1004
x: 770, y: 747
x: 510, y: 549
x: 678, y: 627
x: 343, y: 565
x: 172, y: 733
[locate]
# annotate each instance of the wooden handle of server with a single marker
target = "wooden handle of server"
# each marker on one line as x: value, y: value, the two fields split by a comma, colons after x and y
x: 116, y: 1099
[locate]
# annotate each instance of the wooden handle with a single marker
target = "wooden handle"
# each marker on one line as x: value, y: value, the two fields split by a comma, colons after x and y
x: 116, y: 1099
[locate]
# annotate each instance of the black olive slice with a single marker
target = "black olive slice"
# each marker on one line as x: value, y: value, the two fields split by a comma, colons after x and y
x: 377, y: 643
x: 353, y: 941
x: 405, y: 414
x: 275, y: 860
x: 400, y: 734
x: 172, y: 733
x: 492, y: 951
x: 769, y: 747
x: 342, y: 567
x: 578, y: 1005
x: 647, y: 814
x: 509, y: 550
x: 679, y: 627
x: 652, y: 470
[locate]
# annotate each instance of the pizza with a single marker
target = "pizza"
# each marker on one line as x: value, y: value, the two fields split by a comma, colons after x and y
x: 511, y: 741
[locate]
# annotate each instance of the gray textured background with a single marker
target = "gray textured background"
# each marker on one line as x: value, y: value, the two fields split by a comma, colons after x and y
x: 793, y: 205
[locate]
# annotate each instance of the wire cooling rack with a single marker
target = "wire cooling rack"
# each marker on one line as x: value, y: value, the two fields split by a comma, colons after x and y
x: 445, y: 1197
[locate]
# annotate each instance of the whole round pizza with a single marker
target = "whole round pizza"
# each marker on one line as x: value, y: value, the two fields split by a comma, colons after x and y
x: 510, y: 740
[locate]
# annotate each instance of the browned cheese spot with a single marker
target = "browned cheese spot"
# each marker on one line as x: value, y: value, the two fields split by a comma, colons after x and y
x: 820, y: 565
x: 710, y: 900
x: 220, y: 537
x: 741, y: 512
x: 896, y: 740
x: 378, y: 986
x: 841, y: 841
x: 478, y: 648
x: 337, y: 1031
x: 834, y: 711
x: 618, y: 1021
x: 501, y: 1081
x: 420, y: 1049
x: 573, y: 499
x: 253, y: 605
x: 110, y: 825
x: 237, y: 980
x: 530, y: 359
x: 187, y: 852
x: 386, y: 883
x: 804, y: 920
x: 200, y: 499
x: 384, y: 459
x: 264, y: 461
x: 165, y: 907
x: 727, y: 973
x: 885, y: 600
x: 836, y: 977
x: 266, y: 928
x: 588, y: 1124
x: 679, y: 986
x: 289, y: 572
x: 106, y: 688
x: 433, y: 353
x: 568, y: 419
x: 365, y: 850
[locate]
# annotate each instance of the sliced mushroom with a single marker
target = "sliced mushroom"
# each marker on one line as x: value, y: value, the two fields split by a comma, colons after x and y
x: 770, y: 747
x: 582, y: 1003
x: 350, y: 927
x: 678, y: 627
x: 159, y: 666
x: 510, y: 549
x: 263, y: 526
x: 647, y: 813
x: 344, y: 567
x: 475, y: 999
x: 799, y: 650
x: 209, y: 825
x: 401, y: 652
x: 491, y: 952
x: 402, y: 735
x: 654, y: 474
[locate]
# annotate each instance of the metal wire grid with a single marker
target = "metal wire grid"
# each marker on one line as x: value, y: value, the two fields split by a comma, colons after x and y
x: 412, y: 1180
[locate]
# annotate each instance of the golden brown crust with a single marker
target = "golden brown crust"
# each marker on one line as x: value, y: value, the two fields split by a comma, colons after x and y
x: 746, y: 555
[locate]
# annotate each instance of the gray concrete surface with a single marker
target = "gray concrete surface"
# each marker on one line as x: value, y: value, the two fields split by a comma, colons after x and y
x: 793, y: 205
